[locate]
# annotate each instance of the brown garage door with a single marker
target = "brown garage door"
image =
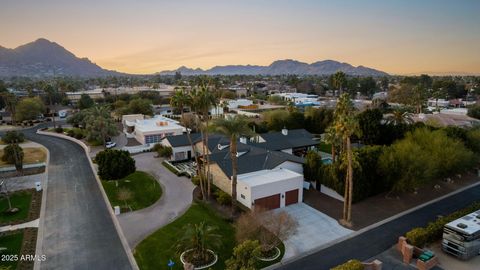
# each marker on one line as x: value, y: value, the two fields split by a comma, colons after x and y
x: 291, y: 197
x: 270, y: 202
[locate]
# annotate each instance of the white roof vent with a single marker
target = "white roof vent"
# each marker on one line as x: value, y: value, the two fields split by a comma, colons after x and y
x: 243, y: 140
x: 221, y: 147
x: 285, y: 131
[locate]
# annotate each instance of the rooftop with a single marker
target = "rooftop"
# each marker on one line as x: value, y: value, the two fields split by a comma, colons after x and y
x: 157, y: 123
x: 469, y: 224
x: 263, y: 177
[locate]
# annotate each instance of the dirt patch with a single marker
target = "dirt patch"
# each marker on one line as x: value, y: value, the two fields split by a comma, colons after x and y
x: 382, y: 206
x: 31, y: 155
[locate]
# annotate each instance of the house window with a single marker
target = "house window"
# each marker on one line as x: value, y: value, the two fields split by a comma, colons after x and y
x: 242, y: 196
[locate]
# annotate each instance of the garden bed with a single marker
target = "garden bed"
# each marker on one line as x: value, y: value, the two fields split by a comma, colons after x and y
x: 32, y: 155
x: 143, y: 188
x: 28, y: 201
x: 18, y: 243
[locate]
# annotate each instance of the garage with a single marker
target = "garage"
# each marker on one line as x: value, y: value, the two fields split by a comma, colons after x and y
x: 291, y: 197
x: 268, y: 203
x: 270, y: 189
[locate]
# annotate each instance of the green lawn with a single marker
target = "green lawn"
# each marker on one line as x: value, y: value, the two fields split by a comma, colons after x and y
x: 13, y: 243
x: 145, y: 190
x: 21, y: 200
x: 155, y: 251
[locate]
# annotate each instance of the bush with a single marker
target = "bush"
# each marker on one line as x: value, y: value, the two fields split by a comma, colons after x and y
x: 59, y: 129
x: 474, y: 111
x: 13, y: 137
x: 418, y: 237
x: 222, y: 197
x: 350, y: 265
x: 244, y: 256
x: 114, y: 164
x: 71, y: 133
x: 421, y: 236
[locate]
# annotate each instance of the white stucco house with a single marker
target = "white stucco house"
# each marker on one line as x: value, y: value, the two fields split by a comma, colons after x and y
x: 150, y: 130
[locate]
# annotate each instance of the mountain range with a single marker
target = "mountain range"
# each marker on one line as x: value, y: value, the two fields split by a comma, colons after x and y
x: 282, y: 67
x: 43, y: 58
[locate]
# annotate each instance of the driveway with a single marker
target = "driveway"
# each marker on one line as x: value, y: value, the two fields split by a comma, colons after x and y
x: 176, y: 199
x: 78, y: 232
x: 314, y: 230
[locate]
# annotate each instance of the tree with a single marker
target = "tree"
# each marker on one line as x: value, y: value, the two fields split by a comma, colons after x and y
x: 52, y: 95
x: 13, y: 136
x: 399, y: 117
x: 474, y: 111
x: 198, y: 239
x: 244, y: 256
x: 137, y: 106
x: 85, y: 102
x: 99, y: 124
x: 339, y: 80
x: 114, y: 164
x: 10, y: 101
x: 312, y: 167
x: 370, y: 124
x: 346, y: 125
x: 409, y: 95
x: 317, y: 120
x: 233, y: 128
x: 368, y: 86
x: 13, y: 154
x: 29, y: 109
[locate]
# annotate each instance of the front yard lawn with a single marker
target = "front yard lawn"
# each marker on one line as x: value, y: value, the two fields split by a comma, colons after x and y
x: 155, y: 251
x: 21, y: 200
x: 13, y: 243
x: 141, y: 187
x: 31, y: 155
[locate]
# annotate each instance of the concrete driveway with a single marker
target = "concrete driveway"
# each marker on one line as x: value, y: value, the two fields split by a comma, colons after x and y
x: 176, y: 199
x: 314, y: 230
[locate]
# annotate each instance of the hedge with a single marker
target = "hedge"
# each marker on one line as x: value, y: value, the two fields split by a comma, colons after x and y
x: 350, y: 265
x: 422, y: 236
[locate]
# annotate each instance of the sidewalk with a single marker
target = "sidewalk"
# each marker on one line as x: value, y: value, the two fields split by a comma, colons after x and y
x: 30, y: 224
x: 176, y: 199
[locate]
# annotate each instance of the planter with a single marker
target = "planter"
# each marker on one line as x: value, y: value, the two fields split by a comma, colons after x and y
x: 271, y: 258
x: 215, y: 259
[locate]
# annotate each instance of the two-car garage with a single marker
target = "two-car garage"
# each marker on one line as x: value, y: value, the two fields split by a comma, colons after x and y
x: 270, y: 189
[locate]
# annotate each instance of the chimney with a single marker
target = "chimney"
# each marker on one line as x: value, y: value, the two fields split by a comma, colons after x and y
x: 285, y: 131
x: 243, y: 140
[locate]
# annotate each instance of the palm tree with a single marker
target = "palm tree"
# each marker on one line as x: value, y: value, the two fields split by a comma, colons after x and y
x: 198, y: 239
x: 339, y: 80
x: 332, y: 138
x: 180, y: 100
x: 203, y: 99
x: 399, y: 117
x: 233, y: 128
x: 10, y: 103
x: 346, y: 125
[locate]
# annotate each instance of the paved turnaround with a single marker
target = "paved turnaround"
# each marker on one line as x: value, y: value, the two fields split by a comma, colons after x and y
x: 377, y: 240
x: 78, y: 231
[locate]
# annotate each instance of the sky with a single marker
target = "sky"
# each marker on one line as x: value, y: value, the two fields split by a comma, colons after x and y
x: 146, y: 36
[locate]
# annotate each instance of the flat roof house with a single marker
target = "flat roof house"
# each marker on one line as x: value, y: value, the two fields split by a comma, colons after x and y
x: 151, y: 130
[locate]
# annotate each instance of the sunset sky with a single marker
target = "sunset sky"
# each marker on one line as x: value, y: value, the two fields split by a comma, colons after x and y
x: 146, y: 36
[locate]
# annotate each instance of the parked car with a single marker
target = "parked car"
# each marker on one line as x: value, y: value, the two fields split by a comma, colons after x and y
x: 109, y: 145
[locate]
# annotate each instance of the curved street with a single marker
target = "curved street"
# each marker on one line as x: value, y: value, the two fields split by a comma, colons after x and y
x: 78, y: 232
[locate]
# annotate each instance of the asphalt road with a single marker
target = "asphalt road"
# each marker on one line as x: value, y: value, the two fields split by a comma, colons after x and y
x: 375, y: 241
x: 78, y: 230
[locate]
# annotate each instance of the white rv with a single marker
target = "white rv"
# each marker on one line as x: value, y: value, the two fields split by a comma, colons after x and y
x: 461, y: 237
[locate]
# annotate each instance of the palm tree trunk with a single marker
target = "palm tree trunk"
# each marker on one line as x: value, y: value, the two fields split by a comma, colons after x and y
x: 233, y: 153
x: 345, y: 198
x: 333, y: 152
x: 350, y: 180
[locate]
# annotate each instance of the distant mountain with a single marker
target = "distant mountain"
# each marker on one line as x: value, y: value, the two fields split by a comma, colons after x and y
x: 283, y: 67
x: 43, y: 58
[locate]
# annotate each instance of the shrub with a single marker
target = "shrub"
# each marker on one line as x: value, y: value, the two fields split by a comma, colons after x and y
x: 71, y: 133
x: 114, y: 164
x: 418, y: 237
x: 13, y: 137
x: 196, y: 180
x: 350, y: 265
x: 222, y: 197
x: 474, y: 111
x: 244, y: 256
x: 421, y: 236
x: 59, y: 129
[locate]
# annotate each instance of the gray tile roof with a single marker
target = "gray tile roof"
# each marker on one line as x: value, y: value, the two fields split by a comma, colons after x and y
x: 182, y: 140
x: 277, y: 141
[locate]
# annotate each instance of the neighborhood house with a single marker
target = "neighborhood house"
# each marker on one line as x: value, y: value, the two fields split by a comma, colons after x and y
x: 150, y: 130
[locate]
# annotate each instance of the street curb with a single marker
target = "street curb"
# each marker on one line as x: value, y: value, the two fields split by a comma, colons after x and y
x: 85, y: 147
x: 41, y: 223
x: 368, y: 228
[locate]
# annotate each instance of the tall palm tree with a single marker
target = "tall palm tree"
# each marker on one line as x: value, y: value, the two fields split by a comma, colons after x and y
x: 10, y: 103
x: 332, y: 138
x: 203, y: 99
x: 180, y: 100
x: 346, y: 125
x: 233, y: 127
x: 339, y: 80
